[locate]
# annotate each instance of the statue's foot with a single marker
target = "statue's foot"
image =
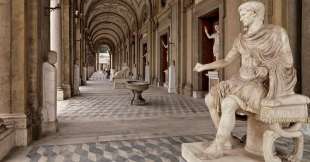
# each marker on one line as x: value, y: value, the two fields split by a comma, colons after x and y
x: 214, y: 151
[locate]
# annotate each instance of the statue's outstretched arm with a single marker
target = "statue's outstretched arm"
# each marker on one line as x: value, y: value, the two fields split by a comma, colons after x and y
x: 231, y: 56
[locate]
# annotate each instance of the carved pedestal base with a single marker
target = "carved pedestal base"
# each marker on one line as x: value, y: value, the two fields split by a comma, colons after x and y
x: 193, y: 152
x: 137, y: 98
x: 7, y: 142
x: 119, y: 83
x: 49, y: 127
x: 60, y: 94
x: 255, y: 133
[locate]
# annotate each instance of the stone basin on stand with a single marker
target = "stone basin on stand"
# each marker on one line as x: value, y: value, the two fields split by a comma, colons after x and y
x: 137, y: 88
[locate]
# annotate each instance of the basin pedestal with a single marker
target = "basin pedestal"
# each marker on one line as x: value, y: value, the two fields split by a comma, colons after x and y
x: 137, y: 98
x: 137, y: 87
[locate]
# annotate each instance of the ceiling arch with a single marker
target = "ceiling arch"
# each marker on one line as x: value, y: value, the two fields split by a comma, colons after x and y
x: 113, y: 21
x: 109, y: 30
x: 105, y: 34
x: 107, y: 23
x: 104, y: 41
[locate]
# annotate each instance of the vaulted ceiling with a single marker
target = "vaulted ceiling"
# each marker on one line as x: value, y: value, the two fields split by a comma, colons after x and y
x: 112, y: 21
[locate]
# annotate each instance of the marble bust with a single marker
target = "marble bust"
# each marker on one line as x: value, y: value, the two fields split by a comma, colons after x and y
x: 49, y: 108
x: 266, y: 74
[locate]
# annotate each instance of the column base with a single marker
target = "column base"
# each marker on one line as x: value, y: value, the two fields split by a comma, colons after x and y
x: 199, y: 94
x: 60, y: 94
x: 22, y: 133
x: 188, y: 90
x: 7, y: 142
x: 193, y: 152
x: 49, y: 127
x: 172, y: 90
x: 67, y: 91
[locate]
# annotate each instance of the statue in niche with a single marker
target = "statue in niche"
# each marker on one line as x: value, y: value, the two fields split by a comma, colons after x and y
x: 147, y: 72
x: 216, y: 37
x: 166, y: 46
x: 266, y: 75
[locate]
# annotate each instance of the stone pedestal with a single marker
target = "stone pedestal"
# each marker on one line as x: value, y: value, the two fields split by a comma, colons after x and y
x: 84, y: 76
x: 137, y: 98
x: 147, y: 74
x: 7, y: 142
x: 22, y: 136
x: 255, y: 133
x: 193, y: 152
x: 172, y: 82
x: 166, y: 78
x: 60, y: 94
x: 67, y: 91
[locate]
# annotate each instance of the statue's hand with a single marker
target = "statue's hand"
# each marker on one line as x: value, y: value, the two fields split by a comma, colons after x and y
x: 206, y: 30
x: 198, y: 67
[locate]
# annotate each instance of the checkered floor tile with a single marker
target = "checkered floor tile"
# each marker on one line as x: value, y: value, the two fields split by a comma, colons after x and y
x: 147, y: 150
x: 99, y: 101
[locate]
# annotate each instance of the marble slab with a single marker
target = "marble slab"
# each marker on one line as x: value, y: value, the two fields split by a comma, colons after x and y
x: 191, y: 152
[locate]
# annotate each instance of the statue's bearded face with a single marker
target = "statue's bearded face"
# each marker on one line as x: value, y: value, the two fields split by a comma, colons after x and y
x: 247, y: 17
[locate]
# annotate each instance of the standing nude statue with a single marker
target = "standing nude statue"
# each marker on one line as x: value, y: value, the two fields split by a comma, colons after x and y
x: 216, y: 37
x: 166, y: 46
x: 266, y: 73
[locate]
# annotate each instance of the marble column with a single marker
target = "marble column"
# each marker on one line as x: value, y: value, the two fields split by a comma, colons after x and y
x: 305, y: 57
x: 97, y: 62
x: 13, y: 63
x: 78, y: 50
x: 67, y: 69
x: 55, y: 29
x: 5, y: 52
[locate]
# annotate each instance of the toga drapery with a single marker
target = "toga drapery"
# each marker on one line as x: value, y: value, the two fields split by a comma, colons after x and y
x: 269, y: 49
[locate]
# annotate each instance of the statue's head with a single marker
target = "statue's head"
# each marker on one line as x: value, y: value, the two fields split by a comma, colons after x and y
x: 52, y: 57
x: 251, y: 11
x: 216, y: 26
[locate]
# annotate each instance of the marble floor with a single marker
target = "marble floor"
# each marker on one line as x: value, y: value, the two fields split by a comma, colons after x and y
x: 101, y: 125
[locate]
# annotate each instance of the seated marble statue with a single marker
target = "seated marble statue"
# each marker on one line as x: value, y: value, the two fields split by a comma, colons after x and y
x: 122, y: 74
x: 266, y: 73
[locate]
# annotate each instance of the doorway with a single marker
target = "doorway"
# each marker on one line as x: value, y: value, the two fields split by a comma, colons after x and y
x: 164, y: 58
x: 207, y: 56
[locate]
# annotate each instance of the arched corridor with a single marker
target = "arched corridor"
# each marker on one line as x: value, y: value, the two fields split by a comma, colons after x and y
x: 72, y: 73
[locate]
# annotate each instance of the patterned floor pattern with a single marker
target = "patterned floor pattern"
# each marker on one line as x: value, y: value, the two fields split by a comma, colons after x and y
x: 147, y: 150
x: 99, y: 101
x: 109, y: 109
x: 144, y: 150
